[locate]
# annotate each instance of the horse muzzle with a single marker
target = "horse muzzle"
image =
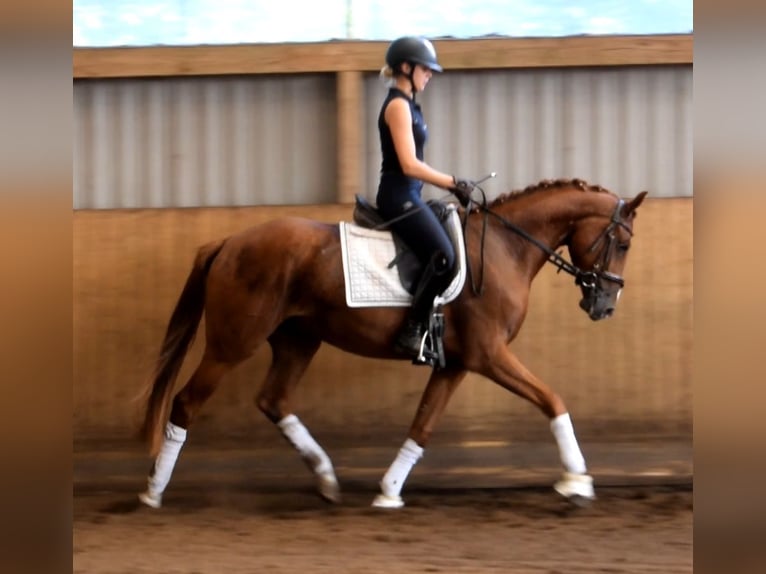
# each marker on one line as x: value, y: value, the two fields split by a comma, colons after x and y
x: 595, y: 310
x: 600, y: 303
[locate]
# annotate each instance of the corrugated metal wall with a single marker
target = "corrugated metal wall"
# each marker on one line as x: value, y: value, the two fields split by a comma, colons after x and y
x: 628, y: 129
x: 269, y: 140
x: 188, y: 142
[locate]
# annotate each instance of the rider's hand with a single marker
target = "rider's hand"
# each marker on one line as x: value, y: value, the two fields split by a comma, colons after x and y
x: 462, y: 190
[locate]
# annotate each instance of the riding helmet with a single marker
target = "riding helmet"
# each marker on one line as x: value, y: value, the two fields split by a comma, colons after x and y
x: 413, y: 49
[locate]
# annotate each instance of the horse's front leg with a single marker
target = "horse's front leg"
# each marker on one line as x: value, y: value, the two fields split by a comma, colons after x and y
x: 440, y: 388
x: 506, y: 370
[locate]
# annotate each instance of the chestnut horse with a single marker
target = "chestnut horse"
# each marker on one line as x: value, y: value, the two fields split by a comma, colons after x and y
x: 282, y: 282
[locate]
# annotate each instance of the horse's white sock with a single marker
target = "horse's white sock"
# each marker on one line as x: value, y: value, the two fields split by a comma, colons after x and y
x: 569, y: 450
x: 393, y: 480
x: 298, y: 435
x: 175, y: 437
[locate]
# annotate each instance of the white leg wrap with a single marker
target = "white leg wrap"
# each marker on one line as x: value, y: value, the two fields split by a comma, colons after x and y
x: 298, y: 435
x: 569, y: 450
x: 175, y: 437
x: 314, y: 456
x: 393, y: 481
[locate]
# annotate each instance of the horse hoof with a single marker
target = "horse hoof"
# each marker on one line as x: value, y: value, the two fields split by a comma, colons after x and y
x: 580, y: 501
x: 329, y: 489
x: 149, y: 499
x: 384, y: 501
x: 577, y: 488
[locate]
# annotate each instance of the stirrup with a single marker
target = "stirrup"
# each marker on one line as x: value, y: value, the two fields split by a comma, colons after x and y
x: 424, y: 356
x: 433, y: 353
x: 436, y: 334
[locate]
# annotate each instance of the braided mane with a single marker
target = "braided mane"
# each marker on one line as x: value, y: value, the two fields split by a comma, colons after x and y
x: 547, y: 184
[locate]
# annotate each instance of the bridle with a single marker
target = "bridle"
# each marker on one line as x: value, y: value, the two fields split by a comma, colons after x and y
x: 588, y: 280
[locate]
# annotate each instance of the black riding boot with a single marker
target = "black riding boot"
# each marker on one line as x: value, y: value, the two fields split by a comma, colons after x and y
x: 410, y: 337
x: 431, y: 283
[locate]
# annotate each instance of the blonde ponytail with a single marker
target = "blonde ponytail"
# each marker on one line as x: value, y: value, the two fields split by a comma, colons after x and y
x: 387, y: 75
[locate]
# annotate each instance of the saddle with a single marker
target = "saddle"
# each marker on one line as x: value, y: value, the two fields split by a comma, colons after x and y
x: 407, y: 264
x: 409, y: 270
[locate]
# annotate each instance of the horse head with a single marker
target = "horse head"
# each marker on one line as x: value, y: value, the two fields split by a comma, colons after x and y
x: 599, y: 250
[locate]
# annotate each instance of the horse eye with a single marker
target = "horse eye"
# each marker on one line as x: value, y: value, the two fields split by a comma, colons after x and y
x: 623, y: 247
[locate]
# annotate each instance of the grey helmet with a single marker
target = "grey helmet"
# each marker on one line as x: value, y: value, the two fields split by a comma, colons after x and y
x: 412, y: 49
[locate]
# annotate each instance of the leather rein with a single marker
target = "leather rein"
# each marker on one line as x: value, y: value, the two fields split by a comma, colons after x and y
x: 587, y: 279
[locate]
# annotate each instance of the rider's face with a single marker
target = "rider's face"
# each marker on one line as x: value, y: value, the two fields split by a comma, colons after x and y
x: 421, y: 76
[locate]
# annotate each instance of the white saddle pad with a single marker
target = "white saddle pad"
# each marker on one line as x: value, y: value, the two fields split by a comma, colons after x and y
x: 370, y: 283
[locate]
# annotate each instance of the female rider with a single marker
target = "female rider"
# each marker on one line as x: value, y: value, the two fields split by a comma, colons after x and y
x: 410, y: 63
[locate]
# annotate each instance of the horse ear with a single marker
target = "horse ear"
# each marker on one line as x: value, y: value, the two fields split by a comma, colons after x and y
x: 631, y: 206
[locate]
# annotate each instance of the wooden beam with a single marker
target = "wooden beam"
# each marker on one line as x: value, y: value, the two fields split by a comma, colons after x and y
x: 367, y: 56
x: 566, y: 52
x: 350, y: 92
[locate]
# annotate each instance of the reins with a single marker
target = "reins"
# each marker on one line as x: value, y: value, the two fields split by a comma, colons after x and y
x: 480, y: 289
x: 586, y: 278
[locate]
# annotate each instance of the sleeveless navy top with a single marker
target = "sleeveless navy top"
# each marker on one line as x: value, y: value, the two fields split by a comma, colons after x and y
x: 391, y: 169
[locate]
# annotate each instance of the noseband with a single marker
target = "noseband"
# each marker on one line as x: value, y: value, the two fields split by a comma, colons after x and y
x: 586, y: 279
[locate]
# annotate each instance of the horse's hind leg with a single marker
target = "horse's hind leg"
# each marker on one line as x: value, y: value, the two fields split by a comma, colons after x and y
x: 507, y: 371
x: 440, y: 388
x: 186, y: 404
x: 293, y: 346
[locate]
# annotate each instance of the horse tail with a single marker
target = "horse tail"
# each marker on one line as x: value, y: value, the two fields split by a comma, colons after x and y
x: 179, y: 336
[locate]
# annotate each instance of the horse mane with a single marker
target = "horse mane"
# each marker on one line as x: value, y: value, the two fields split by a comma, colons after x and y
x: 547, y: 184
